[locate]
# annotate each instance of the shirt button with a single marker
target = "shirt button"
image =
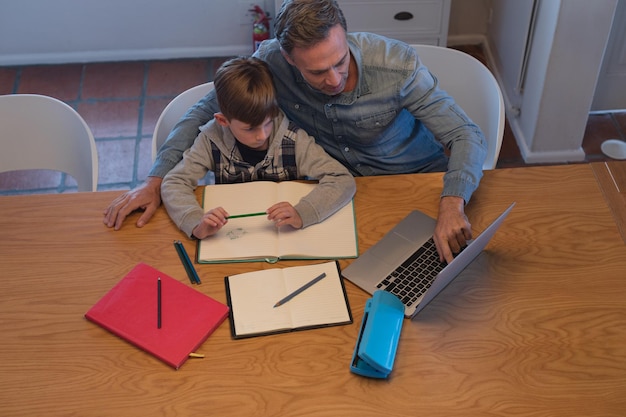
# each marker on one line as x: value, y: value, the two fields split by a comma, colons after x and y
x: 297, y: 106
x: 346, y: 149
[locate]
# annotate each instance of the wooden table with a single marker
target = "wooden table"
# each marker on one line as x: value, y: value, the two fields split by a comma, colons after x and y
x: 611, y: 178
x: 536, y: 326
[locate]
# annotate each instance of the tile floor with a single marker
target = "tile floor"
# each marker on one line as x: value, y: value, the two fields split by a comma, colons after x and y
x: 121, y: 101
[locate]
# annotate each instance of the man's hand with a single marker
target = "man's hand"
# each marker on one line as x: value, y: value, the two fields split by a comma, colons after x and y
x: 146, y: 197
x: 453, y: 230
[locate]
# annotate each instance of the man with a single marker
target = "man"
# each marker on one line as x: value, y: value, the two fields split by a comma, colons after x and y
x: 366, y: 99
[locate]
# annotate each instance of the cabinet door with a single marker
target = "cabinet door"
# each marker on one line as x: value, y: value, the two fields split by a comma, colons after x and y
x: 411, y: 21
x: 510, y: 34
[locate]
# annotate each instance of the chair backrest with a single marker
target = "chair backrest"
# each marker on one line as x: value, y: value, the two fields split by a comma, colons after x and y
x: 174, y: 111
x: 473, y: 87
x: 41, y: 132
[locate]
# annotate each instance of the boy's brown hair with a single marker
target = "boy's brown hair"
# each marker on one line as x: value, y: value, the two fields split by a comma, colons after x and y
x: 245, y: 91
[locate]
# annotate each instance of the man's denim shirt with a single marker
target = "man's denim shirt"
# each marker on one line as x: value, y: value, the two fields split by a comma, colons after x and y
x: 386, y: 125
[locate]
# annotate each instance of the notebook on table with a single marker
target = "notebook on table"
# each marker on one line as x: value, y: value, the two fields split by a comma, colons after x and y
x: 248, y: 237
x: 254, y: 311
x: 184, y: 321
x: 405, y: 262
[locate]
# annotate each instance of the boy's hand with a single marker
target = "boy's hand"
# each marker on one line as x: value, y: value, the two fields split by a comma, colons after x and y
x: 283, y: 214
x: 212, y: 221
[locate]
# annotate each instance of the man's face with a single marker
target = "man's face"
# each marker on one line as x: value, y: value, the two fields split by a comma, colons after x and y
x: 324, y: 66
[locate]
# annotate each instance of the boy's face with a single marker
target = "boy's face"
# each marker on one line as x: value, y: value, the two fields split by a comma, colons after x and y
x: 255, y: 137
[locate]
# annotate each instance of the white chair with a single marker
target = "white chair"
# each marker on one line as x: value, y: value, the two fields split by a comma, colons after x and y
x: 473, y: 87
x: 174, y: 111
x: 41, y: 132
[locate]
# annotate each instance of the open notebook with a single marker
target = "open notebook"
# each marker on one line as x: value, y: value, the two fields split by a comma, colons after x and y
x: 252, y: 298
x: 250, y: 239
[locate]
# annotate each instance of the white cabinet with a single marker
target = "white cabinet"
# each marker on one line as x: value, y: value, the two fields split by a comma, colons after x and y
x: 411, y: 21
x: 548, y: 93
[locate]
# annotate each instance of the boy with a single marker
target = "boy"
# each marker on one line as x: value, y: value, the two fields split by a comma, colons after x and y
x: 251, y: 139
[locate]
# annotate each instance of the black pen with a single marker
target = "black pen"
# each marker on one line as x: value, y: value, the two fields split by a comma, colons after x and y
x: 158, y: 302
x: 299, y: 290
x: 184, y: 258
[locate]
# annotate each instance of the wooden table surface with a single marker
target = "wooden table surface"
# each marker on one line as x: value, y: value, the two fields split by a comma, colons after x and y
x: 535, y: 326
x: 611, y: 178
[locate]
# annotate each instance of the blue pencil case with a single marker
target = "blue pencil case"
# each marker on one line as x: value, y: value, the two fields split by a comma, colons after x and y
x: 376, y: 346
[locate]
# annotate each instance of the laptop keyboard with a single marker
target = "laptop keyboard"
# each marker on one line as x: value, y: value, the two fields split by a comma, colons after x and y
x: 411, y: 279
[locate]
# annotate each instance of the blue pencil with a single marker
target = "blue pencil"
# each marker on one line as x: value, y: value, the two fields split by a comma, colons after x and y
x: 184, y: 258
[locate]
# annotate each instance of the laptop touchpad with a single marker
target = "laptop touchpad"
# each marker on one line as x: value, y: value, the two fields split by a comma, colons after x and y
x: 392, y: 249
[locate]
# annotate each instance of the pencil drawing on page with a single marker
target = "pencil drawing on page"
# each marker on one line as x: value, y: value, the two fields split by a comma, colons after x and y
x: 236, y: 233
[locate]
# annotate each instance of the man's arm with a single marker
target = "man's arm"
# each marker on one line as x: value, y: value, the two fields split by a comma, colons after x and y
x: 468, y: 149
x: 451, y: 126
x: 147, y: 197
x: 183, y: 134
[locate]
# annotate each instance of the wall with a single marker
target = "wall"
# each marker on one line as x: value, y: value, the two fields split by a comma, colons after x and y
x: 469, y: 20
x: 58, y: 31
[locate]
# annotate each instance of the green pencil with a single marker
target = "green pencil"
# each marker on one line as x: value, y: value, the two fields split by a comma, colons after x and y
x: 236, y: 216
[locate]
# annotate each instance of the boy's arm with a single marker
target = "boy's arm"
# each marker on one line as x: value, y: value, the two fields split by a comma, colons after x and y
x: 177, y: 189
x: 336, y: 185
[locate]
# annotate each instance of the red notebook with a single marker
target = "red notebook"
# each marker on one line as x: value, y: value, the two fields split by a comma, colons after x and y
x: 129, y: 310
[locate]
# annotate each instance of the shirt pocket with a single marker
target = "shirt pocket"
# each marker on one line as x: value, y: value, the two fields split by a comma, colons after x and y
x: 377, y: 121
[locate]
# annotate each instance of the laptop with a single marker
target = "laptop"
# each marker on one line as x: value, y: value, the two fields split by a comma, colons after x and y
x: 405, y: 262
